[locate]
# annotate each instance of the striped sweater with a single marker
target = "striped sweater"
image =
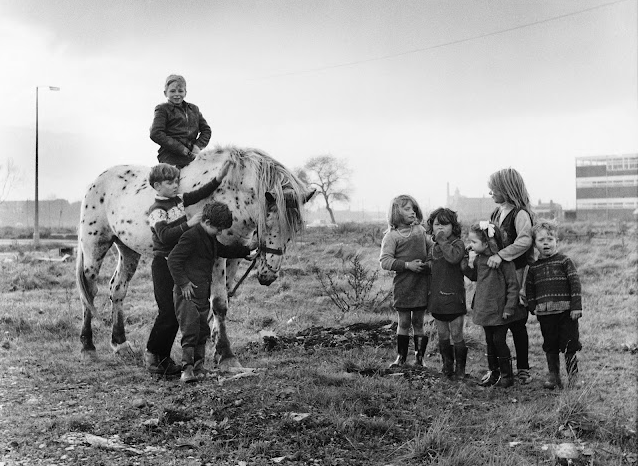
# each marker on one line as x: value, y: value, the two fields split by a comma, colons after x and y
x: 553, y: 286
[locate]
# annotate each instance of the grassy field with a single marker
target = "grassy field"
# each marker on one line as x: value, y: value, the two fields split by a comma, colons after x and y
x: 320, y: 393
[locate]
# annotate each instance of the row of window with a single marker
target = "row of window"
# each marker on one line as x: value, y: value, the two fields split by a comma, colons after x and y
x: 604, y: 182
x: 608, y: 205
x: 613, y: 163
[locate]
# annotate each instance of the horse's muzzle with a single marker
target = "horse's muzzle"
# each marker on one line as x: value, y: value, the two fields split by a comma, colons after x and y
x: 267, y: 278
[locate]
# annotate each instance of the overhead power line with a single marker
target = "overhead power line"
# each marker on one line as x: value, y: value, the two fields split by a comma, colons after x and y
x: 445, y: 44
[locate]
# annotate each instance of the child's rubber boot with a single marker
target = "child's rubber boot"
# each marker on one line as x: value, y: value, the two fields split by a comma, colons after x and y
x: 460, y: 353
x: 506, y: 372
x: 188, y: 358
x: 198, y: 361
x: 571, y: 363
x: 553, y: 378
x: 493, y: 374
x: 402, y: 342
x: 446, y: 352
x: 420, y: 343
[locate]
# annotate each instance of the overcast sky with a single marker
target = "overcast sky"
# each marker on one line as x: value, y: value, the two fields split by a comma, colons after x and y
x: 411, y: 94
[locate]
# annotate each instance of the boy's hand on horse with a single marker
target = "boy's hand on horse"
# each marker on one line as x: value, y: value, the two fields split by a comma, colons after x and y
x: 188, y: 291
x: 195, y: 219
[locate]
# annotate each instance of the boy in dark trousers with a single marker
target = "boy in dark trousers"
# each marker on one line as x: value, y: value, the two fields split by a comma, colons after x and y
x: 168, y: 221
x: 178, y: 126
x: 191, y: 266
x: 554, y: 295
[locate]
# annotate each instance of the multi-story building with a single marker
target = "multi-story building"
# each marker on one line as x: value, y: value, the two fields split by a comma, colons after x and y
x: 607, y: 187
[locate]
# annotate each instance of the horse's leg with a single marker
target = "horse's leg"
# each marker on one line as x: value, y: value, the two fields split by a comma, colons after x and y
x: 219, y: 305
x: 127, y: 264
x: 91, y: 254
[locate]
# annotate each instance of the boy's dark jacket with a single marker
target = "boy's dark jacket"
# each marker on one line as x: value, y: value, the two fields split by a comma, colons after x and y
x: 175, y: 127
x: 191, y: 260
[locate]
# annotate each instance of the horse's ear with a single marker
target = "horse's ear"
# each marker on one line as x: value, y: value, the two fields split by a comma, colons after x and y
x: 309, y: 195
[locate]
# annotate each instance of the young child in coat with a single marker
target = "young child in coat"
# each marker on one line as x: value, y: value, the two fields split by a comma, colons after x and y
x: 514, y: 217
x: 447, y: 298
x: 168, y: 221
x: 554, y: 294
x: 495, y: 300
x: 404, y: 250
x: 178, y: 126
x: 191, y: 266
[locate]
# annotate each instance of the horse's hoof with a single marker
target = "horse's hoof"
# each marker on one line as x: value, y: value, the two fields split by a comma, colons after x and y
x: 231, y: 365
x: 88, y: 355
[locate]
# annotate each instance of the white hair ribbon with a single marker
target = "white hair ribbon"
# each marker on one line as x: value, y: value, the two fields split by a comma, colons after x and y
x: 488, y: 226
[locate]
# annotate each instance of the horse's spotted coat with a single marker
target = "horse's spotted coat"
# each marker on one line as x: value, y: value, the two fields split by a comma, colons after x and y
x: 115, y: 212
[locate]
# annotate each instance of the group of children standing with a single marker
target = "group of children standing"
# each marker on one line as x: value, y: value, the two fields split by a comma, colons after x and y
x: 431, y: 261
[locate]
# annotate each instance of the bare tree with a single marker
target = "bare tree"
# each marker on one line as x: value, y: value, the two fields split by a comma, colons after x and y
x: 9, y: 174
x: 330, y: 177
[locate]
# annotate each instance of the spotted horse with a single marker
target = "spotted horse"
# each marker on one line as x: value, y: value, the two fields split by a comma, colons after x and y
x: 264, y: 197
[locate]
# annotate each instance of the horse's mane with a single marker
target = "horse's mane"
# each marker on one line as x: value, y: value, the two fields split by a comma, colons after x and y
x: 270, y: 177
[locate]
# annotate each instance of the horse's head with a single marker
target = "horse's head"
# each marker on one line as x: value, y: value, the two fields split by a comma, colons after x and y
x: 264, y: 198
x: 275, y: 237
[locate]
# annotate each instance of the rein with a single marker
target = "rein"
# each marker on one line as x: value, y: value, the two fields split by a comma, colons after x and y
x: 277, y: 252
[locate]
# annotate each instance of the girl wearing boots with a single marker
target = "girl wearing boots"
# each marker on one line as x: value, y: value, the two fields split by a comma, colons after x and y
x: 447, y: 301
x: 495, y: 300
x: 554, y: 295
x: 514, y: 217
x: 404, y: 250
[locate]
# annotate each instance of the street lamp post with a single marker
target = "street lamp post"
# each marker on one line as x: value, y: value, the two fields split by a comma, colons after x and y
x: 36, y: 226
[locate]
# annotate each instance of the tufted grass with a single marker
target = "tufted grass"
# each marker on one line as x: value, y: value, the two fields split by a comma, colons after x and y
x: 358, y: 413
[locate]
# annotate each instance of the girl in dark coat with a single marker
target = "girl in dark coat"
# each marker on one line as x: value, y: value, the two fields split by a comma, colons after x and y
x: 495, y: 300
x: 447, y: 302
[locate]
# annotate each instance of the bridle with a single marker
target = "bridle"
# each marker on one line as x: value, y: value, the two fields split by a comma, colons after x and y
x: 261, y: 249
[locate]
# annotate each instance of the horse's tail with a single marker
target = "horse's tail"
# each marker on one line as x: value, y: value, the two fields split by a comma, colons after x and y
x: 81, y: 282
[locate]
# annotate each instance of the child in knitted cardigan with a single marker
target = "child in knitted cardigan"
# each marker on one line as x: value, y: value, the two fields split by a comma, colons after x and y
x: 554, y: 296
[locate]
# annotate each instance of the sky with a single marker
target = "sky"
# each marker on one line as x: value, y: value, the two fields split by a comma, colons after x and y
x: 416, y: 96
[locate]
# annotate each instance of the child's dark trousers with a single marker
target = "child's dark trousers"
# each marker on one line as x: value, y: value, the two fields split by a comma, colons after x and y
x: 165, y: 326
x: 560, y: 333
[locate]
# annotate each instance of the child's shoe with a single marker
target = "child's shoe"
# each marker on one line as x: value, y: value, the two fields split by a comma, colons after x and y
x: 446, y: 352
x: 571, y: 362
x: 506, y: 372
x: 420, y: 342
x: 403, y: 350
x: 460, y: 353
x: 198, y: 364
x: 160, y: 365
x: 187, y: 375
x: 553, y: 379
x: 493, y: 374
x: 524, y: 377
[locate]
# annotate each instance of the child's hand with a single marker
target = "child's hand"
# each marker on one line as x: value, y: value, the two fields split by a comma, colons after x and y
x: 440, y: 237
x: 472, y: 257
x: 505, y: 315
x: 575, y: 315
x: 188, y: 291
x: 196, y: 150
x: 252, y: 255
x: 225, y: 169
x: 195, y: 219
x: 415, y: 265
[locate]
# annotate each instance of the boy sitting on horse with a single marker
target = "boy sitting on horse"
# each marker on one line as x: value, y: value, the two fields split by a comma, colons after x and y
x: 178, y: 127
x: 191, y: 266
x: 168, y: 221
